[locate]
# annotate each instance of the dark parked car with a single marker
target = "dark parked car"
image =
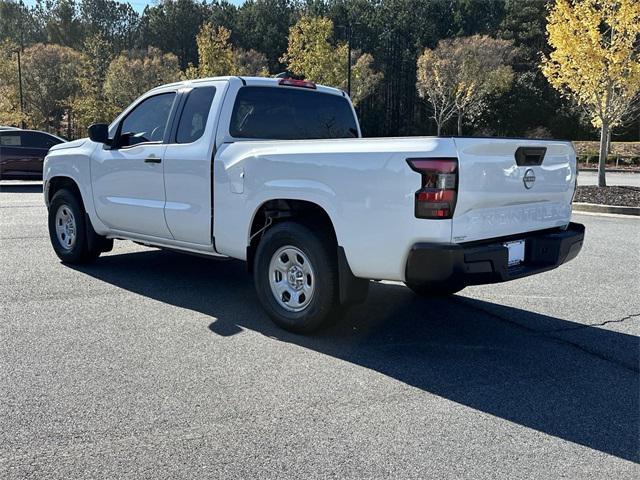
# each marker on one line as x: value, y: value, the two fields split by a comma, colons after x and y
x: 22, y: 153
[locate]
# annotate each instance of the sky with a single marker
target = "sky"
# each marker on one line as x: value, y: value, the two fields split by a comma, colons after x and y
x: 137, y: 5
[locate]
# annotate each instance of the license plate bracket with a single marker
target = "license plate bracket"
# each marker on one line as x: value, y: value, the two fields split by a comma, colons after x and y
x: 516, y: 252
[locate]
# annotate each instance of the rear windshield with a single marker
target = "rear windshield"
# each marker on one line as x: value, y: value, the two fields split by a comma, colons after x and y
x: 282, y: 113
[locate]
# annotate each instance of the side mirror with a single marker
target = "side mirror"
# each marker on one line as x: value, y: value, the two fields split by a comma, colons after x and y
x: 99, y: 132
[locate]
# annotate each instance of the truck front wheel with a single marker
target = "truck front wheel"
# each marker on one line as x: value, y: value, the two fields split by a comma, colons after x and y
x: 296, y: 277
x: 68, y: 230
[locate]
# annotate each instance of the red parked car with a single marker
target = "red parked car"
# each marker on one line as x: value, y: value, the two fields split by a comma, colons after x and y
x: 22, y: 153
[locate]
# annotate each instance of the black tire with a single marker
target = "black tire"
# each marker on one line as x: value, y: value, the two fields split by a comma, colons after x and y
x: 320, y: 250
x: 431, y: 291
x: 79, y: 251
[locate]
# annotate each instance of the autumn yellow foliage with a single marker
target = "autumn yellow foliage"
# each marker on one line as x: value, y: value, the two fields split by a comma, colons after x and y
x: 312, y: 55
x: 595, y: 59
x: 218, y: 57
x: 215, y: 53
x: 460, y: 74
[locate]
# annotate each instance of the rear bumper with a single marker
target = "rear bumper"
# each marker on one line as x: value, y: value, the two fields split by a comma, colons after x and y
x: 487, y: 262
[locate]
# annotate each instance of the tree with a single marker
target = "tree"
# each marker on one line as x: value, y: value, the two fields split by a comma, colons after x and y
x: 217, y: 57
x: 473, y: 16
x: 595, y: 61
x: 460, y: 74
x: 18, y: 23
x: 10, y: 113
x: 385, y: 29
x: 263, y: 25
x: 394, y: 32
x: 215, y: 53
x: 63, y: 23
x: 116, y: 22
x: 524, y: 23
x: 365, y: 78
x: 224, y: 14
x: 91, y: 105
x: 134, y: 72
x: 50, y: 80
x: 483, y: 72
x: 172, y: 26
x: 436, y: 74
x: 250, y: 63
x: 312, y: 54
x: 9, y: 110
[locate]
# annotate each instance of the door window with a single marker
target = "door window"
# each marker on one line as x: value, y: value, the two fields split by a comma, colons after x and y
x: 10, y: 139
x: 29, y: 140
x: 147, y: 122
x: 38, y: 140
x: 194, y: 114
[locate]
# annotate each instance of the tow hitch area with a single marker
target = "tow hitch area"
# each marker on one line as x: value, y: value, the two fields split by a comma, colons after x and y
x: 515, y: 252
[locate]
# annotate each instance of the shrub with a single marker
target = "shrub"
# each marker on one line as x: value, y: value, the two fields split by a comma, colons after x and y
x: 538, y: 132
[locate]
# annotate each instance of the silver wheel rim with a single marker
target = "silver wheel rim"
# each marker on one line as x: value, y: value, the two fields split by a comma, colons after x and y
x: 66, y: 227
x: 291, y: 278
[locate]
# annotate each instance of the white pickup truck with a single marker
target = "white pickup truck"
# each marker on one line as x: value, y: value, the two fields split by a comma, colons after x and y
x: 274, y: 172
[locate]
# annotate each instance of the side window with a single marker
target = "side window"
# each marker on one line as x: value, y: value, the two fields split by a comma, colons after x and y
x: 284, y: 113
x: 147, y: 121
x: 194, y: 114
x: 38, y: 140
x: 9, y: 139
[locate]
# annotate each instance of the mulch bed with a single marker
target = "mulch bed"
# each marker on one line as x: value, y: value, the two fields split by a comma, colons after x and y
x: 619, y: 196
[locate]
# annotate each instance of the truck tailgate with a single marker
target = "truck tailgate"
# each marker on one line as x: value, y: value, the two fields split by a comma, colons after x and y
x: 501, y: 195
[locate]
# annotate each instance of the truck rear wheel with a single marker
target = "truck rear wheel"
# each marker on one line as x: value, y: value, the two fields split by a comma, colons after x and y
x: 68, y: 230
x: 296, y: 277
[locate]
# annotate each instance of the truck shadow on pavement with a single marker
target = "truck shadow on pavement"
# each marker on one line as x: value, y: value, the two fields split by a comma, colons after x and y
x: 454, y: 348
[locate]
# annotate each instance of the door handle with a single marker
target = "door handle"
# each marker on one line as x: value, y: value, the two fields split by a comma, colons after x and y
x: 153, y: 160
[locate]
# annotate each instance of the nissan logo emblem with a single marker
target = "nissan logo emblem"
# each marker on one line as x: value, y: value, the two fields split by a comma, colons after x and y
x: 529, y: 179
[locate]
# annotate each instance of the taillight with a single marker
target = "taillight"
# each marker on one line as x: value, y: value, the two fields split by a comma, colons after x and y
x: 292, y: 82
x: 437, y: 197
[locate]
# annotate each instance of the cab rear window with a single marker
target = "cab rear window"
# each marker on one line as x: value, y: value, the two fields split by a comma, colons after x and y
x: 284, y: 113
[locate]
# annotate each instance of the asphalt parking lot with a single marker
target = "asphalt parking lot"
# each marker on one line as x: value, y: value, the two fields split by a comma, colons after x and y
x: 151, y: 364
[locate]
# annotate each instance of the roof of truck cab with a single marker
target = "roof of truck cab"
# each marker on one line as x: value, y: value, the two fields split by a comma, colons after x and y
x: 253, y: 81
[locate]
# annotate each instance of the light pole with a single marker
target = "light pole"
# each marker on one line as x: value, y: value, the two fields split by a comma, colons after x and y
x: 22, y: 125
x: 349, y: 34
x: 19, y: 51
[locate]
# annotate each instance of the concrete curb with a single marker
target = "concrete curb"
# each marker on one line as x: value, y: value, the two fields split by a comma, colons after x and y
x: 609, y: 170
x: 597, y: 208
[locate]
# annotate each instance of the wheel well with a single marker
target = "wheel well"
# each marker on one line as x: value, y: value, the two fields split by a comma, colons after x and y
x: 58, y: 183
x: 273, y: 211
